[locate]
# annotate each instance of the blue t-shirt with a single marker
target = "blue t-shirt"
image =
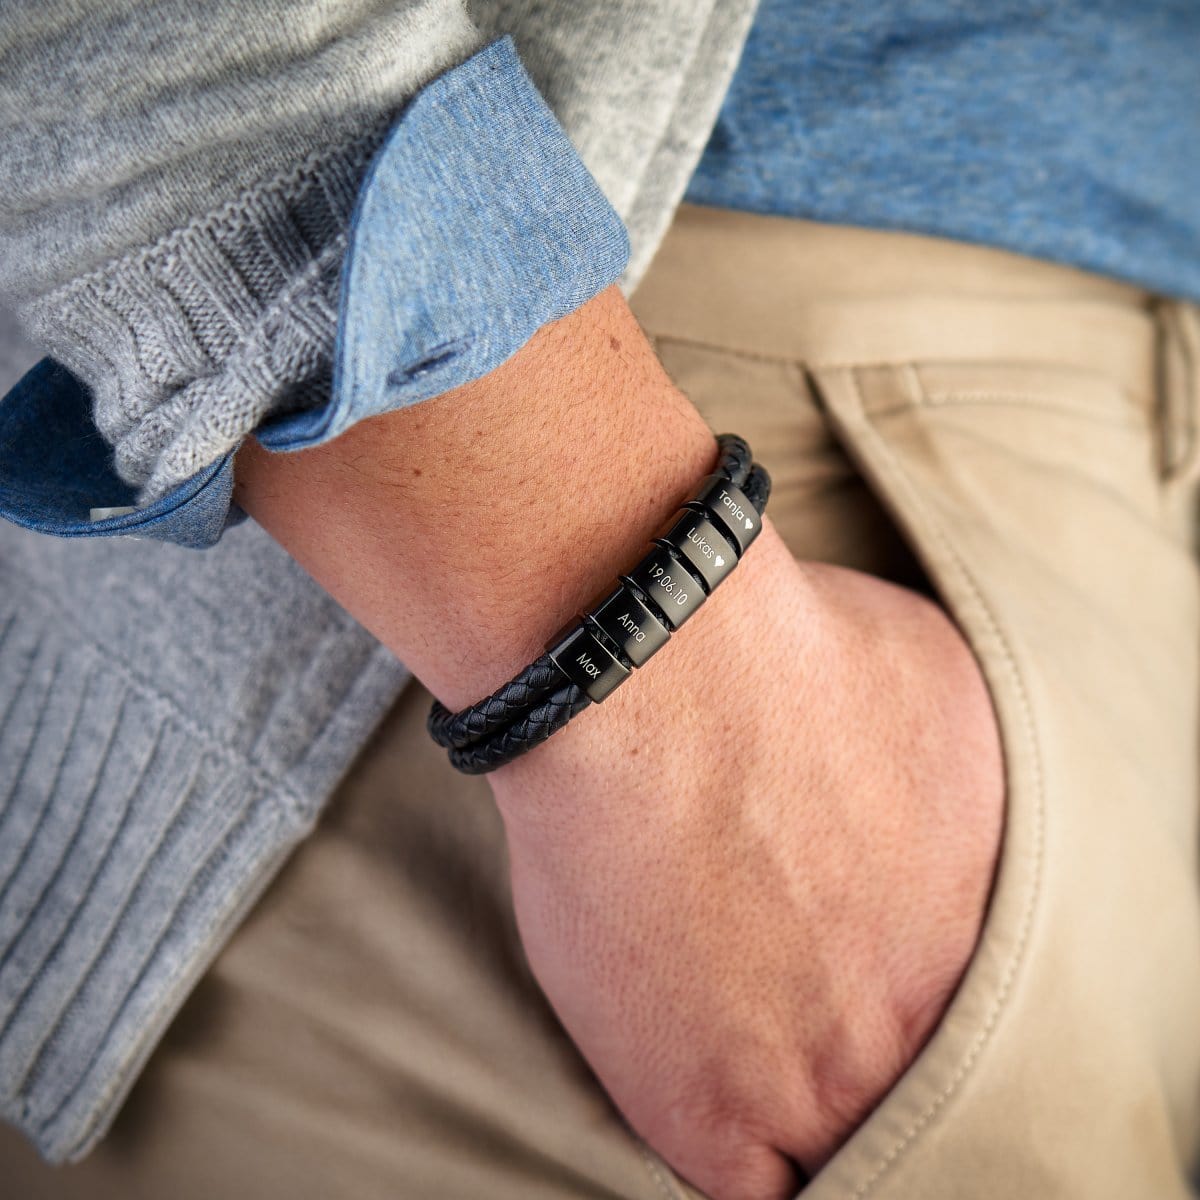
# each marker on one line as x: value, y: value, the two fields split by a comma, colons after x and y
x: 1063, y: 129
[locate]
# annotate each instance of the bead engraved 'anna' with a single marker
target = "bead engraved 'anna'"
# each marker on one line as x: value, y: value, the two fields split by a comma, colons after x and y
x: 634, y: 629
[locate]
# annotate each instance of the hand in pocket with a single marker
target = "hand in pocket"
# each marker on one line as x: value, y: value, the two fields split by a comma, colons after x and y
x: 750, y: 882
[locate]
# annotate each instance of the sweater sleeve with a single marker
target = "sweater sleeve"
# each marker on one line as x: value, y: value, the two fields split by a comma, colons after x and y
x: 179, y: 243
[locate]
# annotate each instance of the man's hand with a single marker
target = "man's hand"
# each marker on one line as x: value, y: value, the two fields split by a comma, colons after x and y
x: 749, y: 880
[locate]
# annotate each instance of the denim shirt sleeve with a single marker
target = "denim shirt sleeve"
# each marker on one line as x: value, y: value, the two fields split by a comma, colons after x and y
x: 476, y: 224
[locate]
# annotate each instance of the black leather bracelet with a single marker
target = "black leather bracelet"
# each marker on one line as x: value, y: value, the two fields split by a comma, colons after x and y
x: 595, y: 653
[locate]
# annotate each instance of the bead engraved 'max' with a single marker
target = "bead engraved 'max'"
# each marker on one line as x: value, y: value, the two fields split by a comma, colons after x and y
x: 734, y: 513
x: 586, y: 660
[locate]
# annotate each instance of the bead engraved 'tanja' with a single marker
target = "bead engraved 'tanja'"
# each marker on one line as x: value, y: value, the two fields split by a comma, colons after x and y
x: 734, y: 513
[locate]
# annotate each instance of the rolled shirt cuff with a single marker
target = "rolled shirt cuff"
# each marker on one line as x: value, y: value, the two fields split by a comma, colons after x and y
x: 476, y: 223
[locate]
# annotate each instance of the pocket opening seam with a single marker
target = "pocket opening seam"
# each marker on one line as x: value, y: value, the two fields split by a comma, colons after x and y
x: 1020, y: 951
x: 1030, y: 400
x: 737, y: 350
x: 1179, y: 379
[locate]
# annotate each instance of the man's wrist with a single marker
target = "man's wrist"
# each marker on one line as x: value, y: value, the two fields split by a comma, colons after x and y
x: 668, y: 731
x: 465, y: 530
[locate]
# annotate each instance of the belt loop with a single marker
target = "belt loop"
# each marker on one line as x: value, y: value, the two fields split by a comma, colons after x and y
x: 1179, y: 390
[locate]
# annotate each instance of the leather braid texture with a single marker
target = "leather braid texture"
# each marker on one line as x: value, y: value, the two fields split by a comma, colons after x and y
x: 540, y: 700
x: 504, y: 706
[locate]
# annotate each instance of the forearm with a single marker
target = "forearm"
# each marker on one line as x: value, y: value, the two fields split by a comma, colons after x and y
x: 749, y: 882
x: 464, y: 530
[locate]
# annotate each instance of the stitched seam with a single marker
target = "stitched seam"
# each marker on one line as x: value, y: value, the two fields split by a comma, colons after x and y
x: 1142, y: 406
x: 666, y: 1186
x: 1075, y: 414
x: 1190, y: 387
x: 737, y: 351
x: 1191, y: 396
x: 1030, y: 400
x: 908, y: 1138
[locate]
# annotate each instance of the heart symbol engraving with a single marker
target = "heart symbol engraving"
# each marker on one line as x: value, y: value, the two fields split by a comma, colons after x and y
x: 720, y: 561
x: 749, y: 523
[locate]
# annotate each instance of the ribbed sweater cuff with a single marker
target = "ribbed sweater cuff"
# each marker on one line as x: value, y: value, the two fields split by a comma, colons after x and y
x: 190, y: 343
x: 154, y: 774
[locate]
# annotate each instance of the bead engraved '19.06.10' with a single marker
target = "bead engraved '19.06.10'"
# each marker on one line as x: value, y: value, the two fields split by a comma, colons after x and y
x: 672, y: 587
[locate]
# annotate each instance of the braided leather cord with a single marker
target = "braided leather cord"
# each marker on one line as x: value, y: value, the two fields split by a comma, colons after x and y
x: 533, y: 728
x: 529, y: 731
x: 757, y: 488
x: 501, y: 708
x: 734, y: 458
x: 540, y: 678
x: 540, y: 700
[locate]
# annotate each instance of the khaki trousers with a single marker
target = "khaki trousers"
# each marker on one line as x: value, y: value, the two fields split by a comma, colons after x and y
x: 1017, y: 437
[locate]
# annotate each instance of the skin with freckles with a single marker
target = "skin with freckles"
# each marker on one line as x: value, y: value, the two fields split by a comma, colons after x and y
x: 749, y: 881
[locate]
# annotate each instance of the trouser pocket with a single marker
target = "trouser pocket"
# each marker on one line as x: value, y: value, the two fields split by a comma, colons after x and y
x: 1068, y: 1063
x: 820, y: 504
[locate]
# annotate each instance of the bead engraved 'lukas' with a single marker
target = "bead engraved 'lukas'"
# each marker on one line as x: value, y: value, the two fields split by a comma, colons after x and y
x: 704, y: 548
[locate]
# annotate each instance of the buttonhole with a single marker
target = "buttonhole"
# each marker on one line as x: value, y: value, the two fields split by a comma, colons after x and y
x: 435, y: 358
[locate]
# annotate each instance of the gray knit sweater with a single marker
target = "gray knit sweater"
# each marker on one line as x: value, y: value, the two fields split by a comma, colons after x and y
x: 171, y: 721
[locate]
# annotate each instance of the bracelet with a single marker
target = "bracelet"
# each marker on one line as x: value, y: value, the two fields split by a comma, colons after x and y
x: 594, y: 653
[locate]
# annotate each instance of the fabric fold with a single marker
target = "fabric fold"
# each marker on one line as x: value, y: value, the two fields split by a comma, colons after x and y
x: 136, y: 828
